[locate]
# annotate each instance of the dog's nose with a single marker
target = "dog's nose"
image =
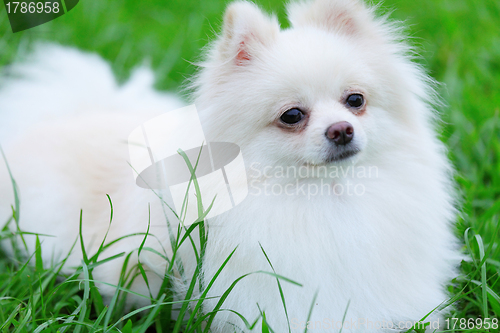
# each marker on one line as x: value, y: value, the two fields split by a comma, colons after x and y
x: 340, y: 133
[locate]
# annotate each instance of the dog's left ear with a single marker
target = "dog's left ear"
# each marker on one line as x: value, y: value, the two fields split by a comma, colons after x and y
x: 246, y: 31
x: 348, y: 17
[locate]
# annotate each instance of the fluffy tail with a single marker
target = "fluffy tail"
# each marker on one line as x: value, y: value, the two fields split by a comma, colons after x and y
x: 57, y: 81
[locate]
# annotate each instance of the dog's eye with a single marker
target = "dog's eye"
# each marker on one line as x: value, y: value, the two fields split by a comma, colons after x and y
x: 355, y: 100
x: 292, y: 116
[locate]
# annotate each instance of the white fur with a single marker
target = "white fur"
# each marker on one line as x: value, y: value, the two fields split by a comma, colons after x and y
x: 388, y: 253
x: 64, y: 129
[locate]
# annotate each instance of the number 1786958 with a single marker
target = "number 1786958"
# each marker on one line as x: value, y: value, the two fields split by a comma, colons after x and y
x: 471, y: 323
x: 32, y: 7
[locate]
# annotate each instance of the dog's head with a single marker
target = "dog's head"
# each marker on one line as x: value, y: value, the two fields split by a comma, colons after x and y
x: 337, y: 84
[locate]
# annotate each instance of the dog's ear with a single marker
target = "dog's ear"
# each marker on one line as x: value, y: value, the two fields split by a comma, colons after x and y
x: 350, y: 17
x: 246, y: 30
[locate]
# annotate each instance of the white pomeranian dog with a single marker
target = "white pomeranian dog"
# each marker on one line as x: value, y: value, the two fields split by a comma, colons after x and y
x: 350, y: 192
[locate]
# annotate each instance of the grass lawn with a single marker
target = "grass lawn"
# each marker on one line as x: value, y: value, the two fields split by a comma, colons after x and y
x: 459, y: 43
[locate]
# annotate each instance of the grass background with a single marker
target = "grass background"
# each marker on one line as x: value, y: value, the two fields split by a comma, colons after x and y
x: 459, y: 41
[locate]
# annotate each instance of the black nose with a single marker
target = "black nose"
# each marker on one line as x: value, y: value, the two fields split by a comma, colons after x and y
x: 341, y: 133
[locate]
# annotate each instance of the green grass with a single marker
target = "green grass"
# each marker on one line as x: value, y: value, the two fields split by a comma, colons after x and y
x: 460, y: 45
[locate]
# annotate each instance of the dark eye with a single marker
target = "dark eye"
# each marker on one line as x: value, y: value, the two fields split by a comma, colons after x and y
x: 292, y: 116
x: 355, y: 100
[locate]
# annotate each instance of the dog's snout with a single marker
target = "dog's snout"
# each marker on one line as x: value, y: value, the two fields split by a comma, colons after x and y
x: 340, y: 133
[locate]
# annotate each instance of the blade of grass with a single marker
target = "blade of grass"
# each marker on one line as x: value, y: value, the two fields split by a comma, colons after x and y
x: 16, y: 208
x: 207, y: 289
x: 484, y: 284
x: 279, y: 287
x: 152, y: 314
x: 139, y: 264
x: 311, y: 309
x: 345, y: 315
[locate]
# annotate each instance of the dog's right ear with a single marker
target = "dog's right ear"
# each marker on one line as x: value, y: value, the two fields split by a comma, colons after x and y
x: 349, y: 17
x: 246, y: 31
